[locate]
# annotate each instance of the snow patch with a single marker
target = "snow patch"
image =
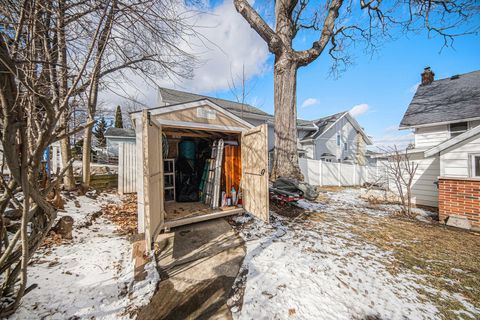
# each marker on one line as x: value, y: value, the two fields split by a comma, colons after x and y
x: 89, y: 277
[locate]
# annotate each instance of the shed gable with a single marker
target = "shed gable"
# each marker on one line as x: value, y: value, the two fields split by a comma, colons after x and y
x: 203, y: 114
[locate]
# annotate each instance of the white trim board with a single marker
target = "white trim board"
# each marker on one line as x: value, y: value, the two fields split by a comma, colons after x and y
x: 194, y: 104
x: 437, y: 123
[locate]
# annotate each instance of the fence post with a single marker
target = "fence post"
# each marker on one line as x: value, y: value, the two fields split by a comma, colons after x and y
x: 354, y: 174
x: 320, y: 172
x: 339, y: 165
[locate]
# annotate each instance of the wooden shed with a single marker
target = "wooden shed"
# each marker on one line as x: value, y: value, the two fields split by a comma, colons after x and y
x: 200, y: 122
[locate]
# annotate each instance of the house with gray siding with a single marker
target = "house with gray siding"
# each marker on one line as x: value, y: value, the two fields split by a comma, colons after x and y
x: 444, y: 116
x: 337, y: 138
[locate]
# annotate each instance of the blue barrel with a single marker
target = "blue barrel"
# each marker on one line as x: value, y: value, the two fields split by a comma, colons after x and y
x: 187, y: 150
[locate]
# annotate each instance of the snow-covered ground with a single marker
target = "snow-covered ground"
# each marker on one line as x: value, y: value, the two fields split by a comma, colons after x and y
x: 315, y: 267
x: 90, y: 277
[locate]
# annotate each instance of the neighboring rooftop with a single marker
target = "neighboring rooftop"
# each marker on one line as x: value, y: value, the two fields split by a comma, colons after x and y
x: 323, y: 124
x: 119, y: 132
x: 446, y: 100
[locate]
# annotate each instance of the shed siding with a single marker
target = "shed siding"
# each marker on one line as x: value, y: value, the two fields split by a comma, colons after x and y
x: 139, y: 182
x: 192, y: 115
x: 454, y: 161
x: 271, y: 134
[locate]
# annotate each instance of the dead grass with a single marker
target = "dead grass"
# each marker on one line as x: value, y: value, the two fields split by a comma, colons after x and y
x: 286, y: 210
x: 332, y: 189
x: 124, y: 215
x: 447, y: 259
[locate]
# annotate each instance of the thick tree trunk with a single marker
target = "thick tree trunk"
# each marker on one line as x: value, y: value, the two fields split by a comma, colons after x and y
x: 285, y: 161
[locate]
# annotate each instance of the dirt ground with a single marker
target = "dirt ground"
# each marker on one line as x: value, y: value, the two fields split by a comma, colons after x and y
x: 447, y: 259
x: 342, y: 257
x: 346, y: 258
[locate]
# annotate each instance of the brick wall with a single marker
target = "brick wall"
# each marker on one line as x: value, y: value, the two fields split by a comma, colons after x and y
x: 459, y: 196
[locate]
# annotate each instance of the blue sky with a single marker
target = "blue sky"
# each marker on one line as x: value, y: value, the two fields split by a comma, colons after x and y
x: 384, y: 82
x: 381, y: 86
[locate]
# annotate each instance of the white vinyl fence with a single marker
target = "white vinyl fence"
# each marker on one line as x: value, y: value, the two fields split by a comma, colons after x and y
x: 127, y: 168
x: 321, y: 173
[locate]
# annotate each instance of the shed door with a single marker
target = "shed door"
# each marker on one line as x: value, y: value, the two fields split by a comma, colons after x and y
x: 255, y: 171
x: 152, y: 178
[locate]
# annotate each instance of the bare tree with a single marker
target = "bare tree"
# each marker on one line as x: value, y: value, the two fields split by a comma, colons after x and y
x: 52, y: 57
x: 238, y: 88
x: 142, y: 38
x: 33, y: 101
x: 401, y: 170
x: 338, y: 24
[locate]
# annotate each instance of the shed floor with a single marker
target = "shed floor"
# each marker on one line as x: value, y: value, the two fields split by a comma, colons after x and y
x: 180, y: 210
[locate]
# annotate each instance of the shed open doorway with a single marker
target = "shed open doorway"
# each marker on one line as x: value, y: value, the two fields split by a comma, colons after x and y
x: 186, y: 156
x: 201, y: 124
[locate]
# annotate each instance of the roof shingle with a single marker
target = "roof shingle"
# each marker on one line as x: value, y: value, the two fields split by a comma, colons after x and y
x: 446, y: 100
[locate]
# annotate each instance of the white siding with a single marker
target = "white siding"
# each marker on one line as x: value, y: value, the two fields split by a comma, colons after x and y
x: 309, y: 150
x: 127, y: 167
x: 327, y: 143
x: 454, y: 161
x: 424, y: 189
x: 431, y: 136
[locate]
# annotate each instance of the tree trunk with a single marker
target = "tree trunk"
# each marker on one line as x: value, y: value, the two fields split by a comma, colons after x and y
x: 285, y: 161
x: 68, y: 179
x: 65, y: 147
x: 87, y: 143
x: 93, y: 94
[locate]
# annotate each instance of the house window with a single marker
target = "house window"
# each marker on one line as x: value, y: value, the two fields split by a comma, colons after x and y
x: 345, y: 146
x: 338, y: 139
x: 458, y: 128
x: 475, y: 165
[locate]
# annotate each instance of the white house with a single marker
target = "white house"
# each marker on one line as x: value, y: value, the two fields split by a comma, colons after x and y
x: 337, y: 138
x: 334, y: 138
x: 445, y: 118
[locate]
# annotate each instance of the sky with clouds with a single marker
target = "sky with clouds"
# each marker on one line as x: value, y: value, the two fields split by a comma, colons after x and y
x: 376, y: 89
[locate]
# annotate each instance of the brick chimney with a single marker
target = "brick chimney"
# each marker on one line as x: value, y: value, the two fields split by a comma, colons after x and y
x: 427, y: 76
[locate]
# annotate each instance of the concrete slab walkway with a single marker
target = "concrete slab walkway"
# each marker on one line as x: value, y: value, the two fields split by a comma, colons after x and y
x: 198, y: 265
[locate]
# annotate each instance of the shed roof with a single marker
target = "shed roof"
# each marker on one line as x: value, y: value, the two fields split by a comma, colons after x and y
x: 446, y: 100
x: 173, y: 96
x: 119, y: 132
